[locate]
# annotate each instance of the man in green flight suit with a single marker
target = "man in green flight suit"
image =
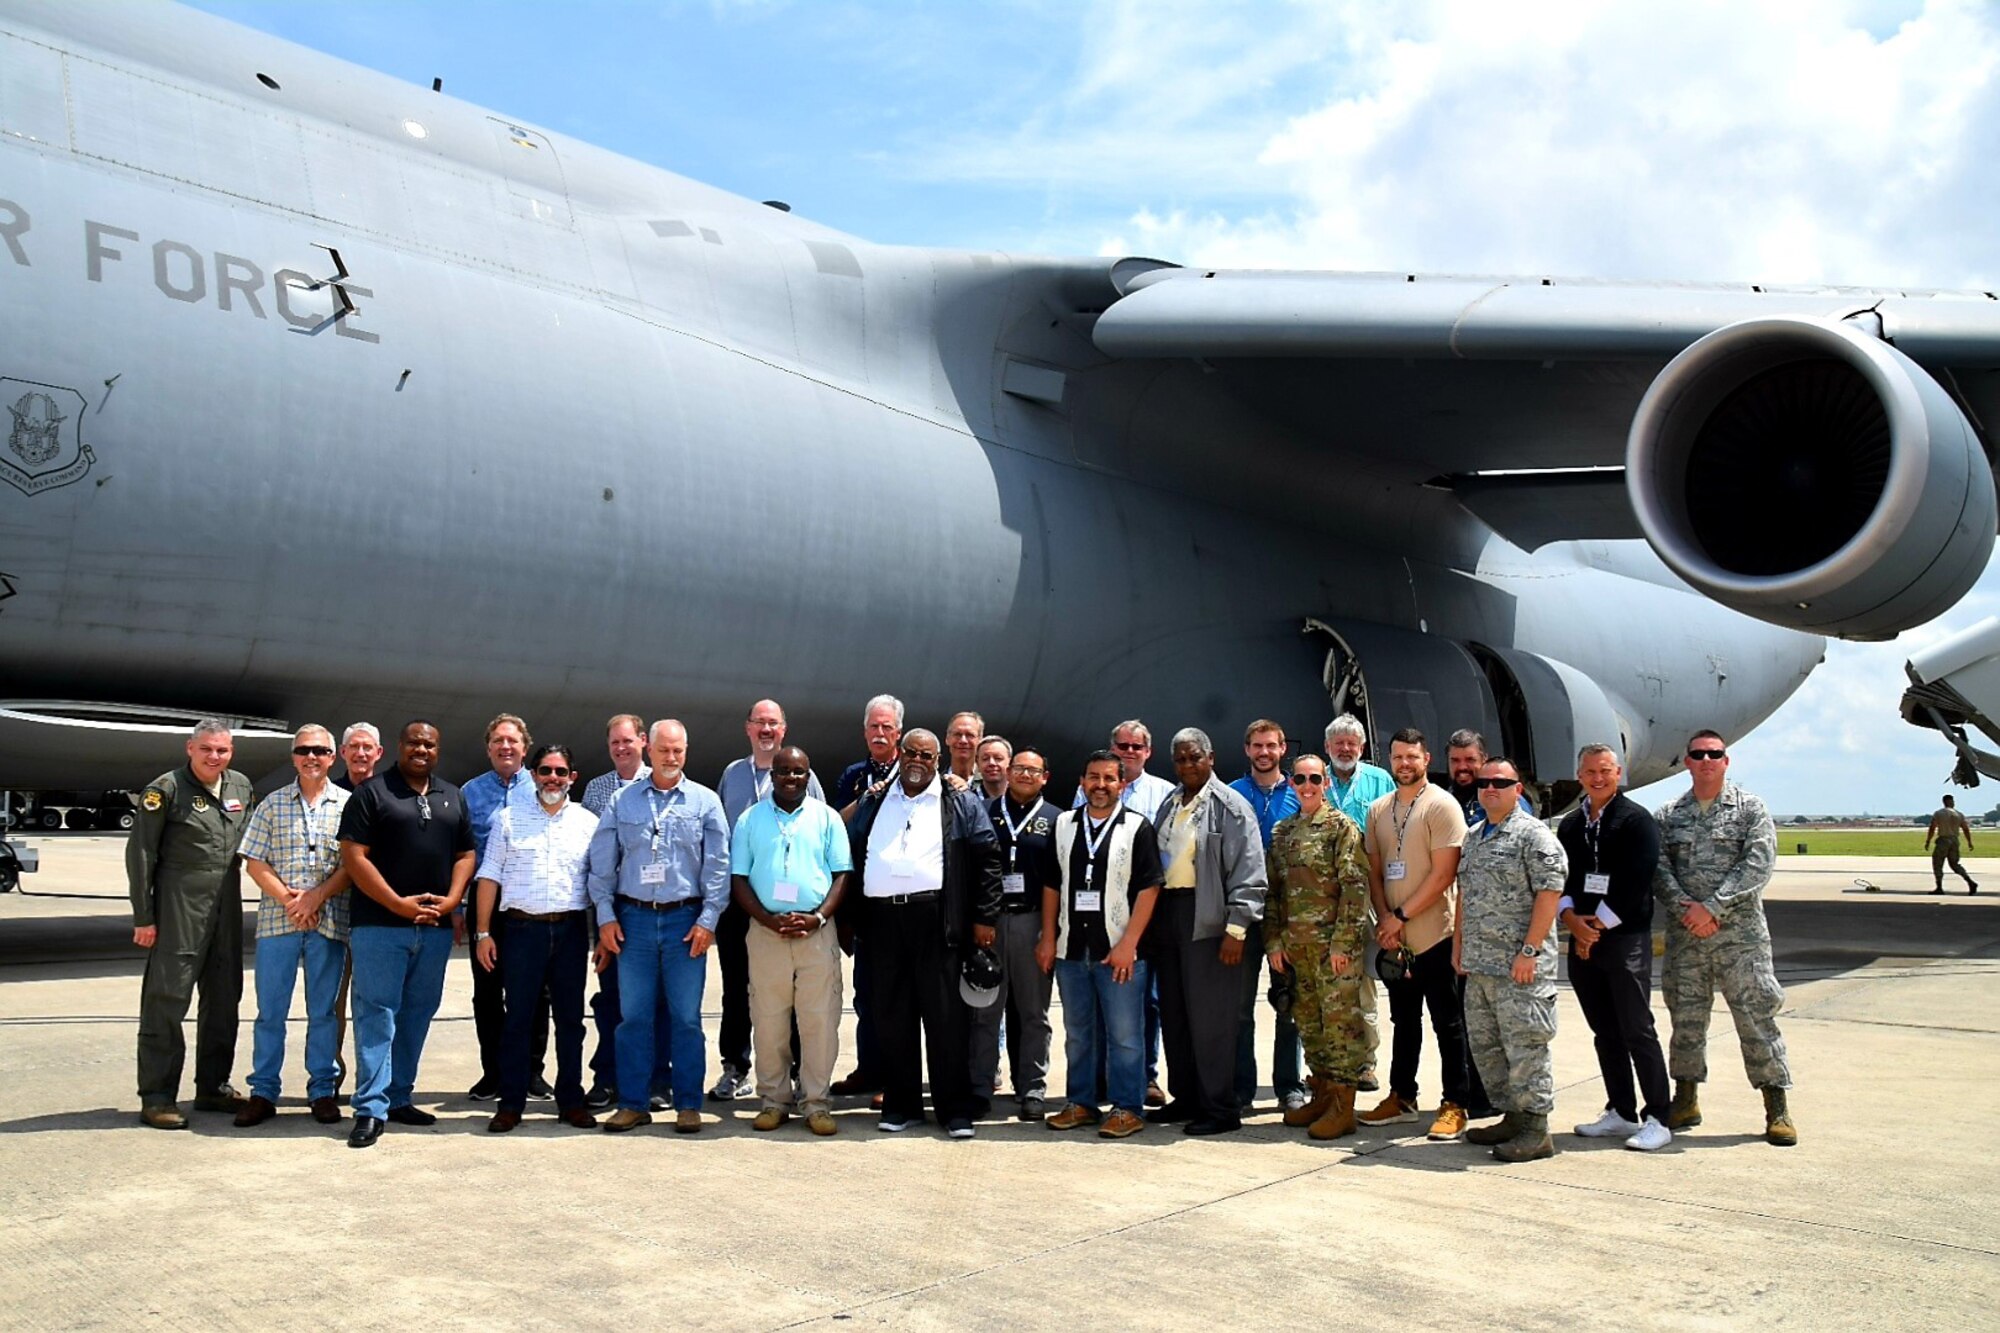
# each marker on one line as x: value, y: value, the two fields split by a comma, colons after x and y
x: 187, y: 914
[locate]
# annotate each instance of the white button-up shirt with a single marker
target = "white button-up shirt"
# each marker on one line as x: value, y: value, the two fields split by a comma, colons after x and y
x: 539, y: 860
x: 906, y: 845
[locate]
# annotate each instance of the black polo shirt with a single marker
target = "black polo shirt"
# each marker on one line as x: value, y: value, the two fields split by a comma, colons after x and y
x: 413, y: 853
x: 1031, y: 856
x: 1087, y: 939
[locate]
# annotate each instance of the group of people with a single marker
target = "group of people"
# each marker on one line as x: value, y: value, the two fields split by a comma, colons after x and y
x: 965, y: 899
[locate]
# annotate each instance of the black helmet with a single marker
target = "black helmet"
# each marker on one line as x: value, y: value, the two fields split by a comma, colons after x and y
x: 979, y: 978
x: 1393, y: 965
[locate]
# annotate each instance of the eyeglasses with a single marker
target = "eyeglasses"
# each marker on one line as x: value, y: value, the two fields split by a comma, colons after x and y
x: 1494, y: 784
x: 546, y: 772
x: 1023, y: 771
x: 423, y: 808
x: 1301, y: 779
x: 1130, y: 747
x: 929, y: 756
x: 317, y: 751
x: 1708, y: 754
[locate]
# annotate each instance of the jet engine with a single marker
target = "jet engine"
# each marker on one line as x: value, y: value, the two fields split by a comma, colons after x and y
x: 1808, y: 474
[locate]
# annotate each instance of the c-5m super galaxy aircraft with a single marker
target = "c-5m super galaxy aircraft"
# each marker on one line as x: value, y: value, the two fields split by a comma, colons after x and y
x: 331, y: 397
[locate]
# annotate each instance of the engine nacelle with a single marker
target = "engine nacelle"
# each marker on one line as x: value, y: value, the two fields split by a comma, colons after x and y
x: 1805, y: 473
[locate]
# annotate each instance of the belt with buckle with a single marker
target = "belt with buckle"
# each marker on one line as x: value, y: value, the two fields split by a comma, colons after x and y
x: 904, y: 899
x: 658, y: 907
x: 550, y: 917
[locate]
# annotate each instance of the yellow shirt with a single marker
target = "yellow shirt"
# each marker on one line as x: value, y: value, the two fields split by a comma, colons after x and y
x: 1180, y: 846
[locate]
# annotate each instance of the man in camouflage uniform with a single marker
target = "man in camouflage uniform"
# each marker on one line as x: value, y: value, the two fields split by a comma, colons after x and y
x: 1510, y: 883
x: 1718, y: 847
x: 1316, y: 926
x: 187, y: 913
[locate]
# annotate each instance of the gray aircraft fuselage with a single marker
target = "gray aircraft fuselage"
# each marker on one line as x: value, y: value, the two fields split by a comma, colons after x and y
x: 593, y: 438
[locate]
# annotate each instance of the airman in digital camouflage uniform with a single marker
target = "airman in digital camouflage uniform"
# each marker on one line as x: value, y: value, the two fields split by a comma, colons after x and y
x: 187, y: 913
x: 1718, y: 847
x: 1510, y: 882
x: 1316, y: 925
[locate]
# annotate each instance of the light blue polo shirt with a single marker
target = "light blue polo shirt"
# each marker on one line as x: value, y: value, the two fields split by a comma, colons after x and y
x: 1353, y: 797
x: 804, y: 849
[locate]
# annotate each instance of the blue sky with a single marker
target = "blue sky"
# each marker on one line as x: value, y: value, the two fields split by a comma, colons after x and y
x: 1776, y: 141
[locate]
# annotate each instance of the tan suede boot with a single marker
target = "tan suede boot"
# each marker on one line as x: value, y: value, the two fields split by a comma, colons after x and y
x: 1338, y: 1122
x: 1315, y: 1107
x: 1686, y: 1110
x: 1778, y: 1129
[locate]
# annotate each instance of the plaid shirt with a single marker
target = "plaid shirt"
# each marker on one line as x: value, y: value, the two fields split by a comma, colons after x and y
x: 303, y: 846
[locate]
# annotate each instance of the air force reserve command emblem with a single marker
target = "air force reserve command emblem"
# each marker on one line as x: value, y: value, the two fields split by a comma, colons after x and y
x: 45, y: 447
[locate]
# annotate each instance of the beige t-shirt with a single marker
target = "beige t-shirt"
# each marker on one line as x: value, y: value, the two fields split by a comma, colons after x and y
x: 1410, y: 835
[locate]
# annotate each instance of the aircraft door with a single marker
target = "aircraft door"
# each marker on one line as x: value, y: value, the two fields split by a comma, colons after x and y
x: 534, y: 176
x: 1393, y: 678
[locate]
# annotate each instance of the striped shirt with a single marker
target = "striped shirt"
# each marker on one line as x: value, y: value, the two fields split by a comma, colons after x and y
x: 538, y: 860
x: 300, y: 841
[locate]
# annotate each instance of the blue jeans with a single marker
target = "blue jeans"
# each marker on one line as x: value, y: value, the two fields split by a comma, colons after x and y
x: 277, y: 969
x: 653, y: 964
x: 1097, y: 1010
x: 398, y: 982
x: 605, y: 1013
x: 538, y: 957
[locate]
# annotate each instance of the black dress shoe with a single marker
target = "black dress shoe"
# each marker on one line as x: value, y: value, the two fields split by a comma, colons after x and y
x: 485, y: 1090
x: 255, y: 1112
x: 410, y: 1115
x: 1204, y: 1127
x: 327, y: 1110
x: 1173, y: 1113
x: 1033, y: 1109
x: 503, y: 1121
x: 366, y: 1130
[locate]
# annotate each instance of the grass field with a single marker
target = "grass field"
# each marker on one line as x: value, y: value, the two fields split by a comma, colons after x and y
x: 1864, y: 842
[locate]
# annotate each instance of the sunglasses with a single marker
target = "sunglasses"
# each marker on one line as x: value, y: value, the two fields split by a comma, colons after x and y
x: 1494, y: 784
x: 928, y: 756
x: 423, y: 808
x: 322, y: 751
x: 1301, y: 779
x: 546, y: 772
x: 1708, y: 754
x: 1129, y: 747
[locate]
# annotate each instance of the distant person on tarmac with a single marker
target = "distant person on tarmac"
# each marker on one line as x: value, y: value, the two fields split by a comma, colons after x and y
x: 1947, y: 826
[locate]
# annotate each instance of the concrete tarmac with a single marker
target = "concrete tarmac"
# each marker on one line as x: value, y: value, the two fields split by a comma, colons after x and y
x: 1883, y: 1217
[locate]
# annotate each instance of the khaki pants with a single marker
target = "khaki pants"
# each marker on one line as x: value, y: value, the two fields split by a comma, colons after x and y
x: 794, y: 978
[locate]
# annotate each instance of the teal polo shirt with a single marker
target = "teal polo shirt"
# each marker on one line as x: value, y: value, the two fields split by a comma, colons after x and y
x: 804, y: 849
x: 1353, y: 797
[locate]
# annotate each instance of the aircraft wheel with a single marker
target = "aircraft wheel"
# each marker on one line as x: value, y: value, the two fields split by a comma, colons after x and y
x: 50, y: 820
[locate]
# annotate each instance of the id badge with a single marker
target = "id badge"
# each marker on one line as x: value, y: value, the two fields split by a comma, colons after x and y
x: 1394, y: 871
x: 653, y: 872
x: 1014, y: 885
x: 785, y: 893
x: 1597, y: 884
x: 1089, y: 900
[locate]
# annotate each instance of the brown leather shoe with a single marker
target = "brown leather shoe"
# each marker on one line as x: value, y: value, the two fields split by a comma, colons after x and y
x: 577, y: 1118
x: 503, y: 1122
x: 255, y: 1112
x: 1072, y: 1116
x: 224, y: 1098
x: 1120, y: 1124
x: 327, y: 1110
x: 875, y: 1102
x: 163, y: 1116
x: 687, y: 1122
x: 851, y: 1086
x: 1155, y: 1096
x: 625, y: 1118
x: 822, y: 1123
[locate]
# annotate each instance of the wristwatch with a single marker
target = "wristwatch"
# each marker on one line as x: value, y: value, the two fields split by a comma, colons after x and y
x: 1530, y: 951
x: 1397, y: 912
x: 479, y: 935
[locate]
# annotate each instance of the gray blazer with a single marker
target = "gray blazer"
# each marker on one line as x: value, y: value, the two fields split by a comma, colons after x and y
x: 1229, y: 883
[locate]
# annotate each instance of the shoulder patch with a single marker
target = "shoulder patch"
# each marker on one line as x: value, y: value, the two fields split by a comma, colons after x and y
x: 153, y: 799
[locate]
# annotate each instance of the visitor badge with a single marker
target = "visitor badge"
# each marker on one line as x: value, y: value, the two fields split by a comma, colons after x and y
x: 653, y: 872
x: 1089, y: 900
x: 1014, y: 884
x: 785, y: 893
x: 1597, y: 884
x: 1607, y: 918
x: 1395, y: 870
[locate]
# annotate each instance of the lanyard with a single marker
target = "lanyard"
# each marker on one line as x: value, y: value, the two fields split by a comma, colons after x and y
x: 656, y: 801
x: 1400, y: 825
x: 1265, y: 799
x: 760, y: 782
x: 1593, y: 829
x: 1092, y: 844
x: 309, y: 819
x: 788, y: 828
x: 1014, y: 829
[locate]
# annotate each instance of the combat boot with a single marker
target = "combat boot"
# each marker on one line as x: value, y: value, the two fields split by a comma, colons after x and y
x: 1338, y: 1122
x: 1778, y: 1129
x: 1531, y: 1145
x: 1505, y: 1130
x: 1315, y: 1106
x: 1685, y: 1113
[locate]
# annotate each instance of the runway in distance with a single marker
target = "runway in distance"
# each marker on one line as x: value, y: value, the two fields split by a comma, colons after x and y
x: 333, y: 397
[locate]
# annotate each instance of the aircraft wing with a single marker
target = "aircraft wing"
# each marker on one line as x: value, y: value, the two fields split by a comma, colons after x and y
x: 1818, y: 457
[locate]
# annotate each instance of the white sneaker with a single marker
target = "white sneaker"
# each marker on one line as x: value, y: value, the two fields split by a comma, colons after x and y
x: 1610, y: 1125
x: 1652, y: 1137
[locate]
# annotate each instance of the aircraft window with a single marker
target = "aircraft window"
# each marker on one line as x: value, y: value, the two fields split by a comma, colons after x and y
x: 268, y: 82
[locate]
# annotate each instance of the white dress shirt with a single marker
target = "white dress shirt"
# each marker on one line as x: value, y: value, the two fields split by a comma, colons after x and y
x: 539, y: 860
x: 906, y: 845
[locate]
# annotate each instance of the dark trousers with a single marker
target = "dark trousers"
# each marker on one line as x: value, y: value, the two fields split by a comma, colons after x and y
x: 200, y: 946
x: 489, y: 1021
x: 1199, y: 1001
x: 916, y: 1010
x: 542, y: 961
x: 1614, y: 988
x: 1435, y: 985
x: 1286, y: 1051
x: 732, y: 944
x: 867, y: 1046
x: 606, y: 1013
